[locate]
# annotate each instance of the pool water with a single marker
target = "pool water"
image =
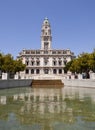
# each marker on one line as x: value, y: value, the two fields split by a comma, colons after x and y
x: 68, y: 108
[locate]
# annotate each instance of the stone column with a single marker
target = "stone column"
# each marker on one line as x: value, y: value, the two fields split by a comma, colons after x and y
x: 4, y: 76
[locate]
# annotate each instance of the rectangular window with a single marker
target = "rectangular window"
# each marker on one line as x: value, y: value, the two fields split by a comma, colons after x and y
x: 37, y: 52
x: 27, y: 71
x: 60, y: 63
x: 45, y: 62
x: 46, y: 45
x: 27, y: 62
x: 54, y: 63
x: 38, y: 63
x: 53, y: 52
x: 32, y: 63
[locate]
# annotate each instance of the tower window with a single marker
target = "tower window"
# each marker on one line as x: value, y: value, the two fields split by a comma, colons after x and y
x: 46, y: 38
x: 46, y: 45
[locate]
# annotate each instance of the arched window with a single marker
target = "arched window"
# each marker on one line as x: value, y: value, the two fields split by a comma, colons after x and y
x: 54, y: 71
x: 60, y: 71
x: 32, y: 71
x: 37, y: 71
x: 27, y: 71
x: 46, y: 71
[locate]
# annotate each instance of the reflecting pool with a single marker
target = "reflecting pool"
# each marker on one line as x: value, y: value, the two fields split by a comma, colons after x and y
x: 67, y: 108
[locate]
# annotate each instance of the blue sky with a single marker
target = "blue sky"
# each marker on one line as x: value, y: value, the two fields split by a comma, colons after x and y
x: 72, y: 23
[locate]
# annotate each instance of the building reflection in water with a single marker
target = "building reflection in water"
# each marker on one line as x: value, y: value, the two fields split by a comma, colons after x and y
x: 3, y: 100
x: 50, y: 99
x: 45, y: 106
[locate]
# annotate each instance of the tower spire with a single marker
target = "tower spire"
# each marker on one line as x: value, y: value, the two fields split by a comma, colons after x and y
x: 46, y: 37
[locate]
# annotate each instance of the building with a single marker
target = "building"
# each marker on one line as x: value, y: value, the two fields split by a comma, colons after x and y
x: 45, y: 61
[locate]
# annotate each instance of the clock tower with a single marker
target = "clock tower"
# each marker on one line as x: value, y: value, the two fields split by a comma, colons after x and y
x: 46, y: 37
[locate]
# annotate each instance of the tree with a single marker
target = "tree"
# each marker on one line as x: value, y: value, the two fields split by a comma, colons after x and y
x: 9, y: 65
x: 1, y: 61
x: 19, y: 66
x: 66, y: 68
x: 92, y: 62
x: 83, y: 63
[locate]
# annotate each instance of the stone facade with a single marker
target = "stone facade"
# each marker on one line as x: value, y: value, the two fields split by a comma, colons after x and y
x: 46, y: 60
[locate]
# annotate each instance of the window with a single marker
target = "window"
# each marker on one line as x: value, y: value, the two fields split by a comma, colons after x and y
x: 54, y: 63
x: 46, y: 45
x: 54, y: 71
x: 27, y: 71
x: 64, y: 52
x: 37, y: 71
x: 46, y: 38
x: 32, y: 71
x: 27, y: 52
x: 53, y: 52
x: 65, y: 61
x: 27, y: 62
x: 60, y: 62
x: 38, y: 63
x: 32, y: 52
x: 60, y: 71
x: 46, y: 71
x: 59, y: 52
x: 45, y: 62
x: 37, y: 52
x: 32, y: 63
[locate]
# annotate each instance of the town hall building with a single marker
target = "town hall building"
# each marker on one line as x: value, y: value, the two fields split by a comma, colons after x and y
x: 45, y: 61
